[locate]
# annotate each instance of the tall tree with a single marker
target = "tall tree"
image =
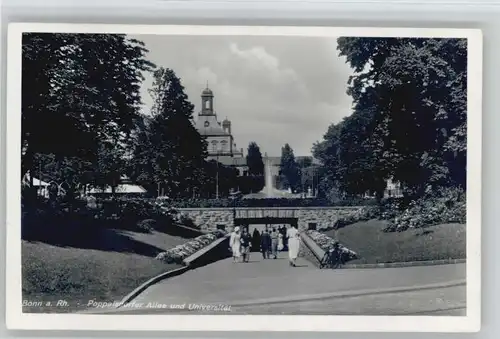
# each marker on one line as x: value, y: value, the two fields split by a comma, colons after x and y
x: 409, y: 118
x: 289, y: 168
x: 418, y: 89
x: 254, y: 160
x: 170, y: 151
x: 78, y: 91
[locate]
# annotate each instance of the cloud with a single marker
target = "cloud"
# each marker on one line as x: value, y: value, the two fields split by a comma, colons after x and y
x: 275, y: 90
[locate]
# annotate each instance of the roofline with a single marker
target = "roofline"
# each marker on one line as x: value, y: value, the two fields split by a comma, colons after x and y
x: 216, y: 135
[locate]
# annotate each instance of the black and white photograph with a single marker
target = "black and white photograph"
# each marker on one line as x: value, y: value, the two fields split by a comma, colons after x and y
x: 186, y: 171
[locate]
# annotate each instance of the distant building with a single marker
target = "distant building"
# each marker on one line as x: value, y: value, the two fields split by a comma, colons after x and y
x: 393, y: 189
x: 124, y: 187
x: 221, y: 144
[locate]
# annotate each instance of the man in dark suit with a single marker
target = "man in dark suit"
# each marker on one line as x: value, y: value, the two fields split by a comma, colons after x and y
x: 265, y: 243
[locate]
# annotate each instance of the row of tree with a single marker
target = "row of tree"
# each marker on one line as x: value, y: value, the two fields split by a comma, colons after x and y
x: 409, y: 118
x: 80, y: 103
x: 294, y: 174
x: 82, y: 123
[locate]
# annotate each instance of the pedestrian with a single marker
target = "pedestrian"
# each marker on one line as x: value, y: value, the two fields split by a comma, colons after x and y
x: 274, y: 243
x: 293, y: 244
x: 246, y: 240
x: 285, y: 240
x: 255, y: 240
x: 265, y: 243
x: 280, y: 242
x: 235, y: 244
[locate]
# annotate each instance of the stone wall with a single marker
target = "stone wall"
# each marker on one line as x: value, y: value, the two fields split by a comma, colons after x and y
x: 208, y: 218
x: 323, y: 217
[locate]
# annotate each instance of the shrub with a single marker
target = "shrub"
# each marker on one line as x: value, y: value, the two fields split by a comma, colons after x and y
x: 187, y: 221
x: 146, y: 225
x: 445, y: 205
x: 264, y: 202
x: 121, y: 213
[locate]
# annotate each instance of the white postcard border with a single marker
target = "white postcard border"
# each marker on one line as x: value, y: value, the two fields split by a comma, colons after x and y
x: 18, y: 320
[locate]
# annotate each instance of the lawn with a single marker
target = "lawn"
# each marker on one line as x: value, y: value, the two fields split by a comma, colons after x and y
x: 105, y: 269
x: 446, y: 241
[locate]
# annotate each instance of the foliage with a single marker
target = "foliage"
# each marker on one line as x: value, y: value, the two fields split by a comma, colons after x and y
x: 273, y: 202
x: 409, y: 119
x: 309, y: 176
x: 186, y: 221
x: 169, y: 151
x: 254, y: 160
x: 289, y: 169
x: 146, y: 225
x: 447, y: 205
x: 42, y: 217
x: 83, y: 88
x: 218, y: 176
x: 250, y: 184
x: 364, y: 214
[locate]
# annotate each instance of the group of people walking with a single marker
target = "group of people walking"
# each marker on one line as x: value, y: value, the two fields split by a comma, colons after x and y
x: 270, y: 242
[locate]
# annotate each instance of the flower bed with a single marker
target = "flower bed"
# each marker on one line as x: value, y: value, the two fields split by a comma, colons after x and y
x: 441, y: 207
x: 325, y: 242
x: 181, y: 252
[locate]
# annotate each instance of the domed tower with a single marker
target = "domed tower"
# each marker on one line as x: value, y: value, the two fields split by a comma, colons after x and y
x: 207, y: 102
x: 226, y: 125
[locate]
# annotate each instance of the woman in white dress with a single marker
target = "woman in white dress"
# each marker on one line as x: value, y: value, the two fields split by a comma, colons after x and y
x: 235, y: 244
x: 293, y: 244
x: 280, y: 242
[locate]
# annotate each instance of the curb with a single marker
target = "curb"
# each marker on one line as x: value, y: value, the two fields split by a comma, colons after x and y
x: 169, y: 274
x: 187, y: 262
x: 310, y: 243
x: 407, y: 264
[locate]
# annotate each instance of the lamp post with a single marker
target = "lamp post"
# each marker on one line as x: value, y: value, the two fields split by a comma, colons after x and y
x: 217, y: 178
x: 302, y: 177
x: 233, y: 196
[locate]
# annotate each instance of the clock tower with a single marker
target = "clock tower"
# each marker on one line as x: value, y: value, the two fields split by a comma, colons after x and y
x: 220, y: 142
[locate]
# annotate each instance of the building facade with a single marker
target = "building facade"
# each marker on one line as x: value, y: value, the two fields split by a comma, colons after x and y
x: 221, y: 145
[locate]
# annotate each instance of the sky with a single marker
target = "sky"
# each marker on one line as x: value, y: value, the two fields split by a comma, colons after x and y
x: 275, y: 90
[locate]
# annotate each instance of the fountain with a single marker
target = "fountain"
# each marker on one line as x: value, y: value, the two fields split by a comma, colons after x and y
x: 269, y: 191
x: 268, y: 178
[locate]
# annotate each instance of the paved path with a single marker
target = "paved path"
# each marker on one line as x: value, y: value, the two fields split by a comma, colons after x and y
x: 273, y: 287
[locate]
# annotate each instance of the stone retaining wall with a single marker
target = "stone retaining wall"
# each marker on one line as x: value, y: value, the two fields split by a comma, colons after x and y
x: 324, y: 217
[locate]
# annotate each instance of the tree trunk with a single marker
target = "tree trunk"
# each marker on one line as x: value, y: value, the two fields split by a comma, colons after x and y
x: 27, y: 165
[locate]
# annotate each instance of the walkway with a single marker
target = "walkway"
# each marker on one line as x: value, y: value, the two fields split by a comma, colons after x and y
x: 273, y: 287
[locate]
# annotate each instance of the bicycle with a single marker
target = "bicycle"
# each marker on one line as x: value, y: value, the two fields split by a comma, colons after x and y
x: 332, y: 259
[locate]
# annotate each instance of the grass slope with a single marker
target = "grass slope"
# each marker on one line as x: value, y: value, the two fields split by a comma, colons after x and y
x: 446, y: 241
x: 106, y: 269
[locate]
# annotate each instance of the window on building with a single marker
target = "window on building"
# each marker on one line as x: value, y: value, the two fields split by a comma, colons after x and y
x: 214, y: 145
x: 223, y: 145
x: 207, y: 104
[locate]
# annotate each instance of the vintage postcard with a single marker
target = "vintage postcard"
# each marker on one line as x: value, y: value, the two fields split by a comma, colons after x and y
x: 230, y: 178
